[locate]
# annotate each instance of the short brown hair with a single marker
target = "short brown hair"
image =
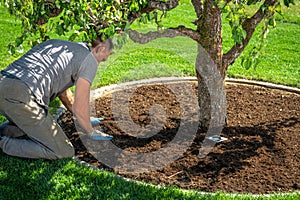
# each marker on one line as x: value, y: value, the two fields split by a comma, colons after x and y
x: 107, y: 42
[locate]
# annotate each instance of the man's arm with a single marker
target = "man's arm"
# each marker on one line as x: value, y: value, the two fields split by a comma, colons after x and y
x: 67, y: 99
x: 81, y: 106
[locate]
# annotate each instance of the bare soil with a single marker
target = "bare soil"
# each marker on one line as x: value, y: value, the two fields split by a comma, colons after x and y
x: 261, y: 155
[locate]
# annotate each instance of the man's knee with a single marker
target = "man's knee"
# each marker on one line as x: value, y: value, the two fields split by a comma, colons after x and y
x: 67, y: 153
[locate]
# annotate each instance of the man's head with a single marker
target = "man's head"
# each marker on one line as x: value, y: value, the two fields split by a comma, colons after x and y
x: 102, y: 49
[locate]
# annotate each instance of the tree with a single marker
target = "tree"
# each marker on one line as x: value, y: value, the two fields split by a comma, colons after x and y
x: 89, y: 19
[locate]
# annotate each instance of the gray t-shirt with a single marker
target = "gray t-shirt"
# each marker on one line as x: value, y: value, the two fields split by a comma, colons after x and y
x: 54, y: 66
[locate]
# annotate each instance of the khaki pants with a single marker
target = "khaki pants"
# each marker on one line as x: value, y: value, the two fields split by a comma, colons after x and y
x: 46, y: 138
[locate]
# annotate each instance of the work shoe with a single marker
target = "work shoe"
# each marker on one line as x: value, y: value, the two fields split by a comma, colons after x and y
x: 3, y: 126
x: 11, y: 130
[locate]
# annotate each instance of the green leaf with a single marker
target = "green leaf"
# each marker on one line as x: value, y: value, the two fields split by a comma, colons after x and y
x: 110, y: 31
x: 11, y: 49
x: 288, y: 2
x: 144, y: 19
x: 272, y: 22
x: 244, y: 33
x: 73, y: 36
x: 59, y: 29
x: 19, y: 49
x: 150, y: 16
x: 57, y: 4
x: 278, y: 9
x: 76, y: 27
x: 248, y: 63
x: 19, y: 41
x: 134, y: 6
x: 127, y: 26
x: 255, y: 63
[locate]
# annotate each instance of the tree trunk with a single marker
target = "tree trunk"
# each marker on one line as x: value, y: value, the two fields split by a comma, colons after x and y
x: 209, y: 69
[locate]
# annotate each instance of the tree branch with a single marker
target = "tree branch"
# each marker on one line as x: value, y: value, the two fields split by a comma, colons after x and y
x: 198, y: 6
x: 249, y: 25
x: 163, y: 6
x: 144, y: 38
x: 153, y: 5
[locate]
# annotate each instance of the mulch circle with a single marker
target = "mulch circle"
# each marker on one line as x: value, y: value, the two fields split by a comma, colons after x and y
x: 260, y: 156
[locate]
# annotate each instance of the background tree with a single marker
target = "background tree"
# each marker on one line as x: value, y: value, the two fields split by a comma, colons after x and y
x: 88, y: 19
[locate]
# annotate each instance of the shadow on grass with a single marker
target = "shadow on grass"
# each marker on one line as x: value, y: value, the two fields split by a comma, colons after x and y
x: 67, y: 179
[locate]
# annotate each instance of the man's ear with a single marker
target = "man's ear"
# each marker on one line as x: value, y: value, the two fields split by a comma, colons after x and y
x: 100, y: 49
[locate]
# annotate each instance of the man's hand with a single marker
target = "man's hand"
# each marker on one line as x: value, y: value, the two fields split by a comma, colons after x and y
x: 98, y: 135
x: 96, y: 121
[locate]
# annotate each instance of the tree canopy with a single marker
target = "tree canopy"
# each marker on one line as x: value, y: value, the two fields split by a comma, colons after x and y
x: 86, y: 19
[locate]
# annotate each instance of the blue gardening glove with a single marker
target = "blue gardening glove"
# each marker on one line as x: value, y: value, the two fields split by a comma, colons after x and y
x: 100, y: 136
x: 96, y: 121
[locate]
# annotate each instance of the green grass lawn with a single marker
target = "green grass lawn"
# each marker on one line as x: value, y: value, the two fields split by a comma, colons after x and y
x: 67, y: 179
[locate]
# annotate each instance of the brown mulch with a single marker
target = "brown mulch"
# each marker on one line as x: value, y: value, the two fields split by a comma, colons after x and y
x: 261, y: 155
